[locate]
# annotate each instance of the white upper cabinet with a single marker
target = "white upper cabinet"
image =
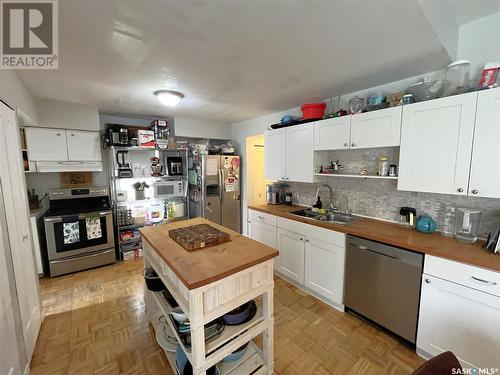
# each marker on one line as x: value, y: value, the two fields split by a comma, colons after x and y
x: 275, y: 154
x: 299, y: 153
x: 83, y: 145
x: 332, y: 134
x: 380, y: 128
x: 289, y: 153
x: 46, y: 144
x: 436, y: 145
x: 485, y: 173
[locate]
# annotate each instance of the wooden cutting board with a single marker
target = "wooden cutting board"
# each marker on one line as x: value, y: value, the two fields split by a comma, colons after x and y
x: 198, y: 236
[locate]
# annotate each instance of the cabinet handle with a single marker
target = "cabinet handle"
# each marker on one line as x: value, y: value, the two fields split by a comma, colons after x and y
x: 460, y: 190
x: 58, y: 134
x: 353, y: 145
x: 483, y: 281
x: 261, y: 217
x: 301, y: 239
x: 428, y: 281
x: 307, y: 240
x: 346, y: 144
x: 72, y: 134
x: 25, y: 238
x: 475, y: 191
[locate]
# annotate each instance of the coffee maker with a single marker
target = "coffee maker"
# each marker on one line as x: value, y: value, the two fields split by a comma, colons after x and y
x: 117, y: 136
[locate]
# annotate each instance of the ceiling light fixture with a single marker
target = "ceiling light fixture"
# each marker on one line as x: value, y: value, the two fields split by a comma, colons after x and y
x: 169, y: 97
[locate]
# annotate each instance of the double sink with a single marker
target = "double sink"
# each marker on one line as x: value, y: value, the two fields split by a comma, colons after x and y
x: 334, y: 217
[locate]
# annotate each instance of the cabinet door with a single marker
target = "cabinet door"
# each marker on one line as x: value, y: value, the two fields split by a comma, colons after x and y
x: 299, y: 153
x: 264, y: 233
x: 275, y: 154
x: 460, y: 319
x: 436, y: 145
x: 18, y: 225
x: 324, y: 269
x: 46, y: 144
x: 332, y: 134
x: 484, y: 171
x: 380, y: 128
x: 291, y: 258
x: 83, y: 145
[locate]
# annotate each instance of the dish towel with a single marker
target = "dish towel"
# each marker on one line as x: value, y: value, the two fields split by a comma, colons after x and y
x: 71, y: 232
x: 93, y: 225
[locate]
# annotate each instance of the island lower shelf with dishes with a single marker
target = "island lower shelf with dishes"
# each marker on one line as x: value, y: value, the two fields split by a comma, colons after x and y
x: 233, y: 349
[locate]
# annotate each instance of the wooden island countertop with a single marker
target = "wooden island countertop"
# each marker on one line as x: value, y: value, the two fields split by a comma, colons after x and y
x: 397, y: 235
x: 204, y: 266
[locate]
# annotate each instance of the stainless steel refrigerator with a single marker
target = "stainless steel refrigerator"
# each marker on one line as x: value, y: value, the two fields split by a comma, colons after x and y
x: 214, y: 189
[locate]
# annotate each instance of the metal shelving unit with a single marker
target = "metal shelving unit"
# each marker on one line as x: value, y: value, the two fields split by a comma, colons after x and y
x: 115, y: 183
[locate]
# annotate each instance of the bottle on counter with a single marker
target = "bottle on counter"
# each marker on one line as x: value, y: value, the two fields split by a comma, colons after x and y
x: 318, y: 203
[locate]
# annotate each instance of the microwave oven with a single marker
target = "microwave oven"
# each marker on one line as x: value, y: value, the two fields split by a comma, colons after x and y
x: 169, y: 189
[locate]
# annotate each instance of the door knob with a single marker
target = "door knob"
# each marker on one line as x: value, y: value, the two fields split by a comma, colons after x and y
x: 475, y: 191
x: 460, y: 190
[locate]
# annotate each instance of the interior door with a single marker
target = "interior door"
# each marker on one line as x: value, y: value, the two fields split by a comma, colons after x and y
x: 12, y: 356
x: 436, y: 145
x: 291, y: 258
x: 230, y: 202
x: 212, y: 189
x: 485, y: 180
x: 299, y: 153
x: 275, y: 154
x: 46, y: 144
x: 83, y: 145
x: 17, y: 214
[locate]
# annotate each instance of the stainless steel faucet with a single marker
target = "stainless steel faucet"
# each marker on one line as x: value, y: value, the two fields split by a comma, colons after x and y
x: 332, y: 207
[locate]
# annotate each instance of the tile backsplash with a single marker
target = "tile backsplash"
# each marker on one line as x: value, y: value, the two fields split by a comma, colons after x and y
x: 381, y: 199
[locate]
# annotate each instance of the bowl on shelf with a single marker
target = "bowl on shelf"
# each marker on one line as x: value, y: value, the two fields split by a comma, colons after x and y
x: 423, y: 91
x: 178, y: 314
x: 184, y: 366
x: 153, y: 281
x: 237, y: 354
x: 241, y: 314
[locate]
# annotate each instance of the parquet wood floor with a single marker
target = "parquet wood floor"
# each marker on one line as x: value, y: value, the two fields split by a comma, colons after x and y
x: 95, y: 323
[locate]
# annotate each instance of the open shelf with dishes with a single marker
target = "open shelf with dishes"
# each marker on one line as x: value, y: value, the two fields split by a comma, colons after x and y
x: 356, y: 176
x: 218, y: 348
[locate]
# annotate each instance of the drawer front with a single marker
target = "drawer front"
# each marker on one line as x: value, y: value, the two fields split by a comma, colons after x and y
x: 471, y: 276
x: 262, y: 217
x: 312, y: 231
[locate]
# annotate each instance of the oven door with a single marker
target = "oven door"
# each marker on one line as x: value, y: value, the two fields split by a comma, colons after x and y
x: 73, y: 235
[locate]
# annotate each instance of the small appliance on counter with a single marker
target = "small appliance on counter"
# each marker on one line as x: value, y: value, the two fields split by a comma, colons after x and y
x: 117, y: 136
x: 124, y: 170
x: 169, y: 189
x: 288, y: 198
x: 275, y: 193
x: 467, y: 224
x: 174, y: 166
x: 156, y: 167
x: 407, y: 216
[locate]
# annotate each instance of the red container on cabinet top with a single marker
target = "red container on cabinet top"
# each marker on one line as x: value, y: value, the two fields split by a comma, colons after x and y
x: 313, y: 110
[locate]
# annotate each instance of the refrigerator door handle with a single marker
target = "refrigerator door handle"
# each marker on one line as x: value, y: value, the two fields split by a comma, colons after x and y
x: 221, y: 185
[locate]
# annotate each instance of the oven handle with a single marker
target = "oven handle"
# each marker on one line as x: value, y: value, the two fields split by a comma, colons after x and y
x: 53, y: 219
x: 81, y: 257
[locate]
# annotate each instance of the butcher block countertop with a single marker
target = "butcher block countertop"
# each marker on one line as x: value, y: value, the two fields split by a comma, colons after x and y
x: 204, y: 266
x: 396, y: 235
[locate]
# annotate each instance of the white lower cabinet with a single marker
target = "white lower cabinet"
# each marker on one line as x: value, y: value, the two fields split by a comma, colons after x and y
x: 291, y: 246
x: 324, y: 269
x: 460, y: 318
x: 264, y: 233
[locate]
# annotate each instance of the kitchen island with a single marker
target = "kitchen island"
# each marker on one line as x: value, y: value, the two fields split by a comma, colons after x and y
x: 208, y: 283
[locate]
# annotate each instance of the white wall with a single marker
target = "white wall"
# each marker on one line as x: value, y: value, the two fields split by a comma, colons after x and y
x: 479, y: 42
x: 58, y: 114
x: 14, y: 93
x: 186, y: 127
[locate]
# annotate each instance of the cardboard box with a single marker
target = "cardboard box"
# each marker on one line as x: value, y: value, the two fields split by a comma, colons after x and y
x: 75, y: 179
x: 146, y: 138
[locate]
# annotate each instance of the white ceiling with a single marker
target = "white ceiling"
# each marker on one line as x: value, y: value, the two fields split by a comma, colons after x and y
x: 233, y: 59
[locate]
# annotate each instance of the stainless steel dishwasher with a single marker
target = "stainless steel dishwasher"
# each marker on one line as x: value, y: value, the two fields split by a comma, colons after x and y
x: 382, y: 283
